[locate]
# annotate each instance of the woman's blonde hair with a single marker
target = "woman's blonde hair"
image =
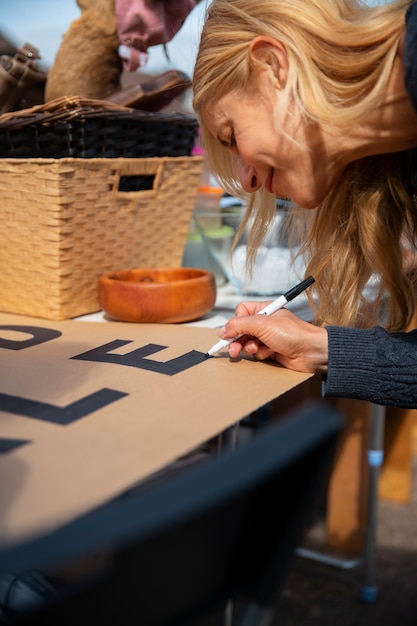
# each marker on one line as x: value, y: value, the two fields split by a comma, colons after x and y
x: 341, y: 54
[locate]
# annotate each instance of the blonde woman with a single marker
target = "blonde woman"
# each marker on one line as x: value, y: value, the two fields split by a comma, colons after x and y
x: 316, y: 101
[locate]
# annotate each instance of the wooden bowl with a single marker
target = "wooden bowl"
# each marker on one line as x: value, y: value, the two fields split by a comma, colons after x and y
x: 164, y: 295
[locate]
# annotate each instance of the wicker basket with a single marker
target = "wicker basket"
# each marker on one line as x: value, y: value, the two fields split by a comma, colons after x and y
x: 83, y: 128
x: 66, y: 221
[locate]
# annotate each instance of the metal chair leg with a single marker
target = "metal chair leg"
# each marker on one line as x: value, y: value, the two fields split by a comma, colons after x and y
x: 228, y: 613
x: 375, y: 459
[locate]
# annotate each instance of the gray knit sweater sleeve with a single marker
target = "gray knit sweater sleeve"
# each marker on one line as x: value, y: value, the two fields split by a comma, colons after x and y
x: 372, y: 365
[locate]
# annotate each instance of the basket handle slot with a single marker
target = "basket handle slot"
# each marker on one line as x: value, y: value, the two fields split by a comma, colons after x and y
x: 138, y: 182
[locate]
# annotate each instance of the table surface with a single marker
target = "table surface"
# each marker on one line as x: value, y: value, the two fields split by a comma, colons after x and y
x: 65, y: 469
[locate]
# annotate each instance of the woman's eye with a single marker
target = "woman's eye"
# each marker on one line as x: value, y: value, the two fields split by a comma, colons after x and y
x: 229, y: 142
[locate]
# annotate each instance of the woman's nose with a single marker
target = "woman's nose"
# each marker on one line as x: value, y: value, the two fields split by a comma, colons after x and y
x: 248, y: 176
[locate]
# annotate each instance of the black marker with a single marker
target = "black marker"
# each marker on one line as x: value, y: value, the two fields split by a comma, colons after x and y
x: 277, y: 304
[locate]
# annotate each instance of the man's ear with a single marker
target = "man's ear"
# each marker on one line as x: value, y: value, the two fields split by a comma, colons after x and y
x: 270, y: 54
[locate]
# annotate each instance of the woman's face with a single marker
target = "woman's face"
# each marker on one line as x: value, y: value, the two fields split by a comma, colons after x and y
x: 273, y: 146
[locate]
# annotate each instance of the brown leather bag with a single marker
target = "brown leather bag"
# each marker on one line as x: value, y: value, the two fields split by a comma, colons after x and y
x: 153, y: 94
x: 22, y: 82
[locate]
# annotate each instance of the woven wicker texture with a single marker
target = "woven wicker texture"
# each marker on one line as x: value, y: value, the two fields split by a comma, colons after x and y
x: 79, y: 127
x: 65, y: 221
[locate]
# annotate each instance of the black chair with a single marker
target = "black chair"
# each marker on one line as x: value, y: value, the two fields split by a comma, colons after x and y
x: 178, y: 550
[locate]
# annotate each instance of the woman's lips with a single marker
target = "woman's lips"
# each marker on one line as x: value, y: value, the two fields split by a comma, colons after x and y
x: 268, y: 182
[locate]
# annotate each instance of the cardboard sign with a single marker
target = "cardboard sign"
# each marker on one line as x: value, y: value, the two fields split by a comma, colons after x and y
x: 89, y: 409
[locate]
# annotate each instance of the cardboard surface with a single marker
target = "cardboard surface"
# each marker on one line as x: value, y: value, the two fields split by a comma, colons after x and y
x: 83, y: 417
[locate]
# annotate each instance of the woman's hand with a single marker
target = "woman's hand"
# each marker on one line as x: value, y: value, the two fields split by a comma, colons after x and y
x: 283, y: 336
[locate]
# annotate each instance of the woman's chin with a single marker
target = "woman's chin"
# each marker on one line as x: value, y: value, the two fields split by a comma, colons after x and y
x: 304, y: 203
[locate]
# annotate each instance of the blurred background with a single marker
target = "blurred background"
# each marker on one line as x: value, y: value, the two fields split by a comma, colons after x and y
x: 43, y: 23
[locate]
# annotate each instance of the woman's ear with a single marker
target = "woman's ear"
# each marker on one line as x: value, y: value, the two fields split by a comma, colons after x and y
x: 270, y: 54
